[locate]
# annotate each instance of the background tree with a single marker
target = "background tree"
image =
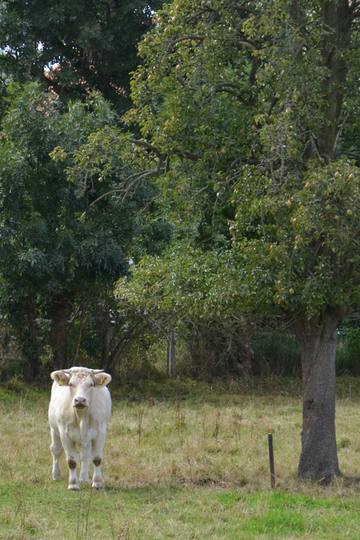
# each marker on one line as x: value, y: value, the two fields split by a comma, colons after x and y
x: 74, y: 46
x: 58, y: 239
x: 253, y: 104
x: 182, y: 288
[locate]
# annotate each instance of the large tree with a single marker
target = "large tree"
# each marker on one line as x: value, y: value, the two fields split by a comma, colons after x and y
x: 256, y: 105
x: 300, y: 204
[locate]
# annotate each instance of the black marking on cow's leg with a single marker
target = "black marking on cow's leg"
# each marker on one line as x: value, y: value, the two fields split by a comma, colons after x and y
x: 97, y: 461
x: 72, y: 463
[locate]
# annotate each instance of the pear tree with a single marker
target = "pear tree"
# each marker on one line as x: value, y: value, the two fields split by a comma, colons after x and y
x: 251, y: 112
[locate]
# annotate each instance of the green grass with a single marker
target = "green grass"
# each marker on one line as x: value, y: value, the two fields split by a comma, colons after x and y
x: 184, y: 461
x: 158, y: 512
x: 154, y: 512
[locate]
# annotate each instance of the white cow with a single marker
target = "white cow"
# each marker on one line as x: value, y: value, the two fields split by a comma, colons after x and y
x: 79, y: 411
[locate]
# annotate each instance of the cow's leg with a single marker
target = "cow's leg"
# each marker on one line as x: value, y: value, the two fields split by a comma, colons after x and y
x: 73, y: 479
x: 96, y: 456
x: 72, y: 458
x: 56, y: 450
x: 85, y: 462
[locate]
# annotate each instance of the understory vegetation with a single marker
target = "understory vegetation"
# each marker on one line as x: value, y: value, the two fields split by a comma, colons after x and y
x: 182, y: 460
x: 202, y: 352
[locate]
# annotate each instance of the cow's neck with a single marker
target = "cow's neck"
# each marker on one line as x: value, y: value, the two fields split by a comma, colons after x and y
x: 82, y: 416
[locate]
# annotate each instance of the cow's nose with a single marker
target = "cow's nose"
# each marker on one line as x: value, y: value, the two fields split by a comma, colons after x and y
x: 80, y: 402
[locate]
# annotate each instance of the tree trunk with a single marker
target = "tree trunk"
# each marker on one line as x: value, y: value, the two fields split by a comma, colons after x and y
x: 318, y: 340
x: 30, y: 343
x: 60, y: 311
x: 171, y: 356
x: 106, y: 348
x: 337, y: 19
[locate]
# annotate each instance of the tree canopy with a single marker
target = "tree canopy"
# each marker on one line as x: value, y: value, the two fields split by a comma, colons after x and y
x: 245, y: 123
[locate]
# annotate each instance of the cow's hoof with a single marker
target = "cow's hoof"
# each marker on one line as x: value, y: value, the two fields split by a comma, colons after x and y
x: 74, y: 487
x: 86, y: 480
x: 98, y: 485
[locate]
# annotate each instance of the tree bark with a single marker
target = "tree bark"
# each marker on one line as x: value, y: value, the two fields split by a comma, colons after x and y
x: 60, y: 311
x: 171, y: 354
x: 318, y: 340
x: 30, y: 343
x: 106, y: 348
x: 337, y: 19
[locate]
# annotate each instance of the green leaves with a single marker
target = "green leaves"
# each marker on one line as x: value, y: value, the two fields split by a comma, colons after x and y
x: 307, y: 237
x: 193, y: 98
x: 40, y: 230
x: 182, y: 282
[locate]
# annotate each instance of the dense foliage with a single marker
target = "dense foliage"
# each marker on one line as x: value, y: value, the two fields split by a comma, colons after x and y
x: 244, y: 142
x: 58, y: 239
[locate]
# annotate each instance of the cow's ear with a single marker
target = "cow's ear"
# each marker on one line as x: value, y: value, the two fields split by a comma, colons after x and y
x: 60, y: 377
x: 102, y: 379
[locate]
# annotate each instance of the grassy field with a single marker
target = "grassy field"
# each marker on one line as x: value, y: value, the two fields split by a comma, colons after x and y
x: 184, y: 461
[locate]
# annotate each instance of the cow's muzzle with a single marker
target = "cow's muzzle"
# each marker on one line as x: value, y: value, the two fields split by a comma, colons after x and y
x: 80, y: 403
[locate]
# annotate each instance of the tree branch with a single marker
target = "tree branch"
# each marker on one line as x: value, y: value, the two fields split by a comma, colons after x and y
x: 145, y: 144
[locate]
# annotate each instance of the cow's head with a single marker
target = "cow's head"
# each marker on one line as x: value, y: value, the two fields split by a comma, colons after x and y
x: 81, y: 382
